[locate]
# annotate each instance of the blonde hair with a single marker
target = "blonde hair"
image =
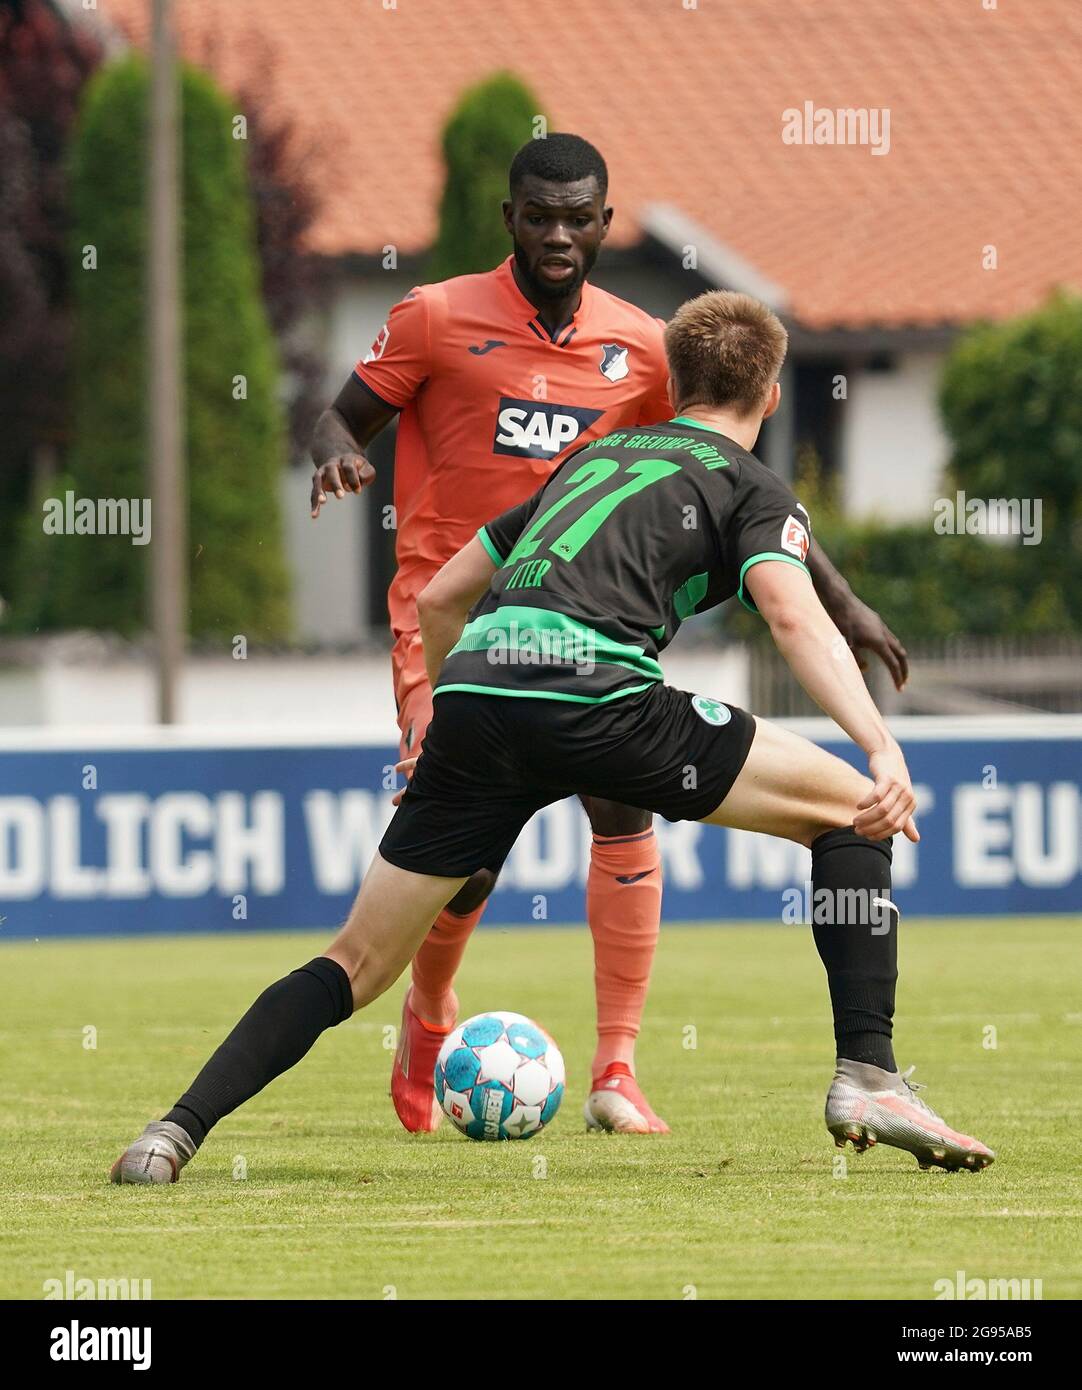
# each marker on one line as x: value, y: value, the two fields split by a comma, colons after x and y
x: 724, y: 349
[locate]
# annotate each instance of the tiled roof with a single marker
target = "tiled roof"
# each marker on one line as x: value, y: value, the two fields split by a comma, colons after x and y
x: 687, y: 107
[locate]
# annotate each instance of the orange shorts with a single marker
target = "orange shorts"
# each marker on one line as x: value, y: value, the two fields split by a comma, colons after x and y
x: 412, y: 692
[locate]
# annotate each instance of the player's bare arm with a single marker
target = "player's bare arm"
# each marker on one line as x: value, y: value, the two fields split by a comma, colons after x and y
x: 861, y: 626
x: 445, y: 601
x: 819, y: 657
x: 342, y: 433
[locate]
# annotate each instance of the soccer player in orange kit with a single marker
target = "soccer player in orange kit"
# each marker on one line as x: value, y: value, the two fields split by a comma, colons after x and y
x: 496, y: 377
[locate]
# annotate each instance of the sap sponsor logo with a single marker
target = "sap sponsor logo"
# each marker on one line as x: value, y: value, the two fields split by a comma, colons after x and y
x: 1023, y: 833
x: 538, y: 429
x: 76, y: 1343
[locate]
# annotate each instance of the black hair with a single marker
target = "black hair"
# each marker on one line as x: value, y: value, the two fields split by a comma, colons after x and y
x: 559, y: 158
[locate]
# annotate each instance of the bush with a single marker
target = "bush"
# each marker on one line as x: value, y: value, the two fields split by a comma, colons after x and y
x: 928, y: 586
x: 44, y: 62
x: 235, y: 447
x: 490, y: 123
x: 1011, y: 400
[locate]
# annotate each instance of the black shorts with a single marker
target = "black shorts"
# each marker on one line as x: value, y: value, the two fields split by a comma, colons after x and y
x: 491, y: 761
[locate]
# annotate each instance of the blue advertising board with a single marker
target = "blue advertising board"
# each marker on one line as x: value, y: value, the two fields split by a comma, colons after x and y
x: 191, y: 833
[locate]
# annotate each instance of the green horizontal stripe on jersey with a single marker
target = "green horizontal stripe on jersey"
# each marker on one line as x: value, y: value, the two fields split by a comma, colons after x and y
x: 516, y: 627
x: 546, y: 694
x: 754, y: 560
x: 486, y: 540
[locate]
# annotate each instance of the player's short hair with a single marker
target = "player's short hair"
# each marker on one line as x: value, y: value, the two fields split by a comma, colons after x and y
x: 559, y: 158
x: 724, y: 349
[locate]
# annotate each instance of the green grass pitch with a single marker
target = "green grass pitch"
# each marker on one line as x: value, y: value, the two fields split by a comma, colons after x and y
x: 313, y: 1190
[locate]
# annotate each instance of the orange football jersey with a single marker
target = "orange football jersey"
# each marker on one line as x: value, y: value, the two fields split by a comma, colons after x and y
x: 490, y: 403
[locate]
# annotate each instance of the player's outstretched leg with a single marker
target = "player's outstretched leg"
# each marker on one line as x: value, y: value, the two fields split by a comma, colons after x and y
x: 430, y: 1008
x: 387, y: 923
x: 789, y: 787
x: 623, y: 907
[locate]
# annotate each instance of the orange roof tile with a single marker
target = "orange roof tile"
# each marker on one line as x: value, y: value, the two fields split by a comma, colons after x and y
x: 686, y: 105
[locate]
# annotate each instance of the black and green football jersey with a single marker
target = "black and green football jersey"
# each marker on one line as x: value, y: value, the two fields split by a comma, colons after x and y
x: 599, y: 567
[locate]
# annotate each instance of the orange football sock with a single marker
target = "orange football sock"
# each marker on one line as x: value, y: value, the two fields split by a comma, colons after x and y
x: 436, y: 964
x: 623, y: 905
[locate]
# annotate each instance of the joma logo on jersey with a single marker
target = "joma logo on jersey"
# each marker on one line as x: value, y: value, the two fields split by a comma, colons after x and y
x: 538, y: 430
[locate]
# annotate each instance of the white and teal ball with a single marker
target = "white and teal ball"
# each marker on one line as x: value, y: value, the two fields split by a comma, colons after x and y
x: 499, y: 1076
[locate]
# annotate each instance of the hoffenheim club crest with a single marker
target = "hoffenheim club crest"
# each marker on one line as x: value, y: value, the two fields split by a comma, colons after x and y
x: 614, y: 361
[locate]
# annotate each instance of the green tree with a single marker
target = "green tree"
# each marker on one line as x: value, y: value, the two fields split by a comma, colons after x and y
x: 492, y: 120
x: 234, y: 432
x: 929, y: 586
x: 44, y: 60
x: 1011, y: 398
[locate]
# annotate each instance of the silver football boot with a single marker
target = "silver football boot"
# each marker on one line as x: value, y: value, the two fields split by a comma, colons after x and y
x: 157, y: 1156
x: 867, y: 1105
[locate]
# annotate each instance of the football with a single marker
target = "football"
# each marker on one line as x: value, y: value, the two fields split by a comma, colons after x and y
x: 499, y: 1076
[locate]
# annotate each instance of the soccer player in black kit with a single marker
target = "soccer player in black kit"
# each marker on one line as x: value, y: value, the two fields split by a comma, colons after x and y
x: 541, y: 638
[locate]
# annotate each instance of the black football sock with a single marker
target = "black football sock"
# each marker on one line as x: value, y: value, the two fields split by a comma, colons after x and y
x: 857, y: 941
x: 273, y: 1036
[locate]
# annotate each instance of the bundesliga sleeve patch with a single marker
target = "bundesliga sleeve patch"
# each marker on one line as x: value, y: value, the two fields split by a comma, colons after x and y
x: 379, y: 347
x: 794, y: 538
